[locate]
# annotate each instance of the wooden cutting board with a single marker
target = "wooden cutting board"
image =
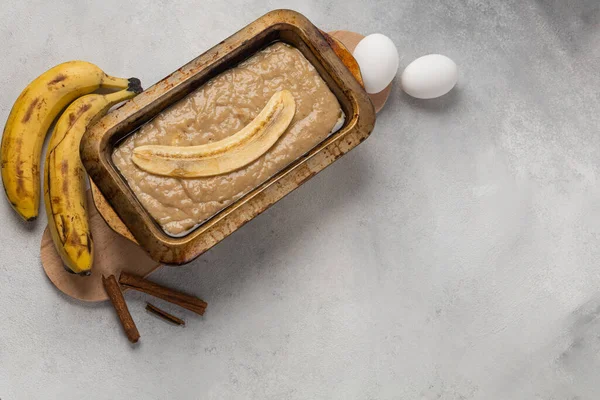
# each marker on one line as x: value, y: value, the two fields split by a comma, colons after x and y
x: 113, y: 253
x: 115, y: 249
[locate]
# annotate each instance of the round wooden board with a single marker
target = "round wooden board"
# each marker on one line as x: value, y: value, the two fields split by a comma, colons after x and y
x: 112, y: 254
x: 115, y: 248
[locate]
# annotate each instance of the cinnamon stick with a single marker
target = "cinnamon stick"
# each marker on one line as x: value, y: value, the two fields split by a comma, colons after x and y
x: 118, y: 301
x: 173, y: 296
x: 163, y: 314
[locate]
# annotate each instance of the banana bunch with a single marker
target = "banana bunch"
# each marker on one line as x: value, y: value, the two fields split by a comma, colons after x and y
x: 226, y: 155
x: 28, y: 123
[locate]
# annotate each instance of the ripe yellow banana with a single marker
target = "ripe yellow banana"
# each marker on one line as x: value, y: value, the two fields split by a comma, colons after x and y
x: 28, y: 122
x: 225, y: 155
x: 64, y: 179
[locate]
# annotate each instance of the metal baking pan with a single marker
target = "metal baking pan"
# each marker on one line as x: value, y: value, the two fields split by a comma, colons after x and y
x: 279, y: 25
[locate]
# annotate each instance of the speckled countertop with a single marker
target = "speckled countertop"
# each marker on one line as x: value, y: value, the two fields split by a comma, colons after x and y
x: 453, y: 255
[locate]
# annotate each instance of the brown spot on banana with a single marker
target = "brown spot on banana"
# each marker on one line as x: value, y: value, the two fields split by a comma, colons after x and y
x: 30, y: 109
x: 64, y: 166
x: 59, y: 78
x: 74, y: 239
x: 21, y: 191
x: 63, y: 228
x: 20, y: 186
x: 74, y: 117
x: 64, y: 170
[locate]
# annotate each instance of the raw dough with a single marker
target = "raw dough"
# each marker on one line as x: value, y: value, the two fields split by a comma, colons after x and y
x: 218, y: 109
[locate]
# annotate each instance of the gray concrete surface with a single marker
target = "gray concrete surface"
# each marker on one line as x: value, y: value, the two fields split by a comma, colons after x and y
x: 453, y: 255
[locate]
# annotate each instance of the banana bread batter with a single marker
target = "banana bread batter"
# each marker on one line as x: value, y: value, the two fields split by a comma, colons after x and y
x: 218, y: 109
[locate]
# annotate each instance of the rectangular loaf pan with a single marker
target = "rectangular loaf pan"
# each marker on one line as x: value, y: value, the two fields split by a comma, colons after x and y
x: 279, y: 25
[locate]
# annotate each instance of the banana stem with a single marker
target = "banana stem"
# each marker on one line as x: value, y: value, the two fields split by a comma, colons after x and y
x: 135, y: 85
x: 122, y: 95
x: 112, y: 82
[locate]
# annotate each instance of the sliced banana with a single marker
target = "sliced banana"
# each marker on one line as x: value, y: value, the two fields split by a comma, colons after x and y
x: 226, y: 155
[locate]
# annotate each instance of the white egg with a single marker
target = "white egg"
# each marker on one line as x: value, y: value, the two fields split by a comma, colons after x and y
x: 378, y: 60
x: 429, y: 76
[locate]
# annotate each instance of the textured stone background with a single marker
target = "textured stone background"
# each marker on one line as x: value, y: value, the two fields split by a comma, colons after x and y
x: 453, y: 255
